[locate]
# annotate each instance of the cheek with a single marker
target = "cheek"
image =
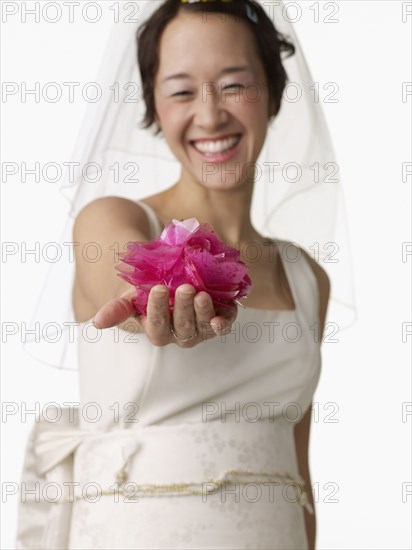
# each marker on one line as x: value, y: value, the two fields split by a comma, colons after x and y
x: 167, y: 114
x: 253, y: 114
x: 253, y: 103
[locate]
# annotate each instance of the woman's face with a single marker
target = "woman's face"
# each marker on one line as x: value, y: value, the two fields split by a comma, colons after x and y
x: 200, y: 96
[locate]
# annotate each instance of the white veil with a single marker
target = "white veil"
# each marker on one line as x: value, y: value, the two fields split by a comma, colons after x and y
x: 297, y: 193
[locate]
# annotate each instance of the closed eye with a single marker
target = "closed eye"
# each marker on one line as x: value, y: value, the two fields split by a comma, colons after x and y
x: 180, y: 93
x: 237, y: 85
x: 185, y: 92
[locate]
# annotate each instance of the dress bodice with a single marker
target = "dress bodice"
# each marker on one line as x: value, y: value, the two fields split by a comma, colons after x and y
x: 270, y: 359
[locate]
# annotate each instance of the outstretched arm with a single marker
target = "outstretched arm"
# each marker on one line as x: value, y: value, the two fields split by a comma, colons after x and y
x: 108, y: 299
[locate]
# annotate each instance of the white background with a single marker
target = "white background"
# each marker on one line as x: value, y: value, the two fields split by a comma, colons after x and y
x: 366, y: 454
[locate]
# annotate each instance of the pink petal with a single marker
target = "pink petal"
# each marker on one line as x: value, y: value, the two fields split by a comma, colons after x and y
x: 185, y: 252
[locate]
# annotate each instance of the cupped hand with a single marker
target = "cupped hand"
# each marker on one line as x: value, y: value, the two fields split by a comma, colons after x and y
x: 194, y: 316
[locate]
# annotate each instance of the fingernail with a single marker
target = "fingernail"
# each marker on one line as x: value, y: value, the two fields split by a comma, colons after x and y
x: 187, y: 291
x: 160, y: 291
x: 218, y: 328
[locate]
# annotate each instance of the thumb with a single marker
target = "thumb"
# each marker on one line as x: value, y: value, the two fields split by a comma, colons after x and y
x: 116, y: 311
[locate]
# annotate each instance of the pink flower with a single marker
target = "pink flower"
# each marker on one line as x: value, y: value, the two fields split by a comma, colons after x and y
x: 186, y: 252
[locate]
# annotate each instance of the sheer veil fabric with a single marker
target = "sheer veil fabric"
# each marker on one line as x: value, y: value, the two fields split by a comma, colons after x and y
x: 297, y: 197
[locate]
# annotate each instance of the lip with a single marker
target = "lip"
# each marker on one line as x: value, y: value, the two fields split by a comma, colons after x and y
x: 218, y: 157
x: 217, y: 138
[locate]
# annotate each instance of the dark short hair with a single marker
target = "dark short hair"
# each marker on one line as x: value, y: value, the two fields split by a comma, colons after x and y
x: 270, y: 42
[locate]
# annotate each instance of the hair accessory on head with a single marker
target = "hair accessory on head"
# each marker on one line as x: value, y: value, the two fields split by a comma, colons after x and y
x: 250, y: 13
x: 297, y: 194
x: 204, y: 1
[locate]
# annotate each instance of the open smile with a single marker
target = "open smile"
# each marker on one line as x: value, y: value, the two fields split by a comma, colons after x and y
x: 217, y: 150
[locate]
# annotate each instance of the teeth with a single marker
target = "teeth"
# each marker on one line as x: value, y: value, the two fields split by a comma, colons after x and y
x: 217, y: 146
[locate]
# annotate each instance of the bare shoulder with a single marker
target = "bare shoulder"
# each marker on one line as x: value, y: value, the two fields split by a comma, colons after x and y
x: 321, y: 275
x: 108, y: 213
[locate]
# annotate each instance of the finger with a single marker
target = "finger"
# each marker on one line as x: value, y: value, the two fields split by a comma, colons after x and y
x: 115, y: 312
x: 224, y: 319
x: 184, y: 321
x: 205, y: 312
x: 157, y: 323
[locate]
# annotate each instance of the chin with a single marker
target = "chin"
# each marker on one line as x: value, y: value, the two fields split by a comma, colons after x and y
x: 220, y: 179
x: 218, y: 185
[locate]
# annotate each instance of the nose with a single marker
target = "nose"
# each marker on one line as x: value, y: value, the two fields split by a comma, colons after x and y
x: 209, y: 111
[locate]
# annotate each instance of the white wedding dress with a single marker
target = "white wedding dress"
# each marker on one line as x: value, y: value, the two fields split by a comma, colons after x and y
x: 171, y: 423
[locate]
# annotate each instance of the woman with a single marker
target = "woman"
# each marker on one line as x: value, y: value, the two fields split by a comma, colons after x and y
x: 174, y: 395
x: 192, y: 125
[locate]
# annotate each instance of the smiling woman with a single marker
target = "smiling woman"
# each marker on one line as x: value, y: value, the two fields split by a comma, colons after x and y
x: 176, y: 456
x: 206, y: 109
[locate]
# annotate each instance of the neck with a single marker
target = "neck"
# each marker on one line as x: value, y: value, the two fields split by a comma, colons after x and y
x: 226, y: 211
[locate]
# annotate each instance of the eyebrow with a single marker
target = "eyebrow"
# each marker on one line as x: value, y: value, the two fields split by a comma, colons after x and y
x: 227, y: 70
